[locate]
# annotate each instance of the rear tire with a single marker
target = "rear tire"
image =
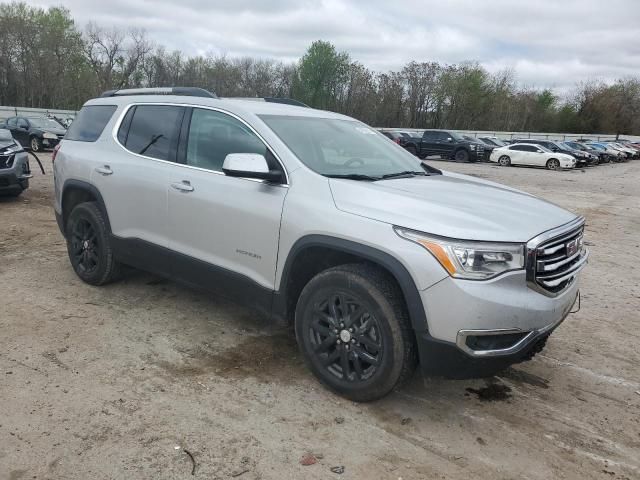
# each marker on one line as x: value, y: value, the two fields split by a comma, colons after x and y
x: 504, y: 161
x: 553, y: 164
x: 353, y: 330
x: 89, y: 245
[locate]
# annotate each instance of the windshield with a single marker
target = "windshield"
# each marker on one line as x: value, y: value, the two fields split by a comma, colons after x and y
x: 544, y: 149
x: 45, y: 123
x: 336, y: 147
x: 497, y: 141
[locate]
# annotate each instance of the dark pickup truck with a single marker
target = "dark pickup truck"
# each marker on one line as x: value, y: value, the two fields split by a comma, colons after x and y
x: 446, y: 144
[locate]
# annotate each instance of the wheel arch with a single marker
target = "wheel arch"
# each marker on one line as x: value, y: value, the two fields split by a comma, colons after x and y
x: 75, y: 192
x: 314, y: 253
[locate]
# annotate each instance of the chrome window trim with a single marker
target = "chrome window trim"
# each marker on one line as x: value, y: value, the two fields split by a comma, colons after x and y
x: 559, y: 233
x: 116, y: 127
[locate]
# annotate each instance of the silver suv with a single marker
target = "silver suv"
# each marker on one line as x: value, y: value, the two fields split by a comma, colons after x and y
x: 379, y: 261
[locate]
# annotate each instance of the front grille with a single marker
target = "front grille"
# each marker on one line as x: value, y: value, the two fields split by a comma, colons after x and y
x: 555, y: 263
x: 6, y: 161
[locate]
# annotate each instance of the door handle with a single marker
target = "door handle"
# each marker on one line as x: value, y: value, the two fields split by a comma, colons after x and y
x: 106, y: 170
x: 184, y: 186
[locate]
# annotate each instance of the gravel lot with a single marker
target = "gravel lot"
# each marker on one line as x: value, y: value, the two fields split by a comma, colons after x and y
x: 120, y: 381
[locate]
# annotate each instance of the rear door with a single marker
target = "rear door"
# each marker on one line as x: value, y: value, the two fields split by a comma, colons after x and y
x: 226, y: 228
x: 133, y: 178
x: 517, y: 155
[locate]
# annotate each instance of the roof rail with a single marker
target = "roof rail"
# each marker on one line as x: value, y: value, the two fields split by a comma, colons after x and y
x: 286, y: 101
x: 181, y: 91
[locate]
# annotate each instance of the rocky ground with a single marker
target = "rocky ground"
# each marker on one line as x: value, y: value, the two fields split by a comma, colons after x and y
x: 147, y: 379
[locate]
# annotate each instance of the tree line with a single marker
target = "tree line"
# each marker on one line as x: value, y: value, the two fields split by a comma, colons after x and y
x: 48, y: 61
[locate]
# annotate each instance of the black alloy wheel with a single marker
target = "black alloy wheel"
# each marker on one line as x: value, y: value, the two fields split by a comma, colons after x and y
x: 346, y: 337
x: 354, y: 332
x: 84, y: 246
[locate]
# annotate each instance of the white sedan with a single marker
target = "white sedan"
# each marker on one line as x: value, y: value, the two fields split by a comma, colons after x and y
x: 530, y: 154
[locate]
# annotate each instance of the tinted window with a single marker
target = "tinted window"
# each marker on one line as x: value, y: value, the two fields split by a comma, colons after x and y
x: 12, y: 121
x: 90, y: 123
x: 23, y: 123
x: 443, y: 136
x: 429, y: 135
x: 154, y: 131
x: 520, y: 148
x: 214, y: 135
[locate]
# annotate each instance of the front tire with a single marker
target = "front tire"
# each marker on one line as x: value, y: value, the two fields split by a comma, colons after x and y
x: 553, y: 164
x: 89, y: 245
x: 353, y: 330
x: 36, y: 144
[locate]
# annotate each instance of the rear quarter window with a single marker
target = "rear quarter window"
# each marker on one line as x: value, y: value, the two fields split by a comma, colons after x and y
x: 90, y: 122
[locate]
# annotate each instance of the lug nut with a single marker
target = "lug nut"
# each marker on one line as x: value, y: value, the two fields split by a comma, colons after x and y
x: 351, y: 330
x: 342, y: 325
x: 338, y: 342
x: 347, y: 346
x: 353, y: 340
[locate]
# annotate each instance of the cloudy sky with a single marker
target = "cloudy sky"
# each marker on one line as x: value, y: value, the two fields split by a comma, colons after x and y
x: 548, y: 43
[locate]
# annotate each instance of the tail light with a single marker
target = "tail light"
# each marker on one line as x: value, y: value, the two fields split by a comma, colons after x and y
x: 55, y: 152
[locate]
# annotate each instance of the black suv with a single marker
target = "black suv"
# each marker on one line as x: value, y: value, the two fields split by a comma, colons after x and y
x: 447, y: 144
x: 35, y: 133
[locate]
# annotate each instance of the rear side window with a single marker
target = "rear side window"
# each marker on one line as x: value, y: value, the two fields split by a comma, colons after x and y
x: 154, y: 131
x: 90, y: 122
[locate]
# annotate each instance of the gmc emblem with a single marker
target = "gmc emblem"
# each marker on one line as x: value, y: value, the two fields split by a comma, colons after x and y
x: 572, y: 247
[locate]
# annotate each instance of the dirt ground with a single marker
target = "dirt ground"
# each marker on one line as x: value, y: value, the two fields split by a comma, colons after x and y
x: 120, y: 382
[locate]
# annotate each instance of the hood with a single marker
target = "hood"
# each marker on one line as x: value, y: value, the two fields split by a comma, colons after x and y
x: 451, y: 205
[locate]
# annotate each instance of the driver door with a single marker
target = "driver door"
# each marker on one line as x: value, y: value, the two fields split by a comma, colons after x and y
x: 225, y: 228
x: 21, y: 132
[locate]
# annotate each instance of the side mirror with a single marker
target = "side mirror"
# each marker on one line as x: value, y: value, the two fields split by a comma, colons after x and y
x: 250, y: 165
x: 449, y: 139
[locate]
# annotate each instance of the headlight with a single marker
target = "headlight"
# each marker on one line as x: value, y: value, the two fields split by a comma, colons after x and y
x: 49, y: 136
x: 469, y: 259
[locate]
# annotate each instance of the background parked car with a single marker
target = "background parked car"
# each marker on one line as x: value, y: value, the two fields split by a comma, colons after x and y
x: 36, y: 133
x: 581, y: 158
x: 603, y: 157
x: 533, y: 155
x: 481, y: 145
x: 14, y: 166
x: 493, y: 141
x: 446, y: 144
x: 614, y: 154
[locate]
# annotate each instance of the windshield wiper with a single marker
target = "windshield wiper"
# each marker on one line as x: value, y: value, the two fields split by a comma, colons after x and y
x: 406, y: 173
x: 354, y: 176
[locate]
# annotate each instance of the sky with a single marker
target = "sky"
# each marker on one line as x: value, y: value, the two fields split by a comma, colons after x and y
x: 548, y: 44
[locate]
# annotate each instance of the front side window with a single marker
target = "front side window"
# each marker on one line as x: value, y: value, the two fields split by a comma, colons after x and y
x: 23, y: 123
x: 90, y: 123
x: 337, y: 147
x: 154, y: 131
x: 12, y: 121
x: 214, y: 135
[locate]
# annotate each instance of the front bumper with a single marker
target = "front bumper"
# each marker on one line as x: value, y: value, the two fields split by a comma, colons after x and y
x: 15, y: 178
x: 479, y: 328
